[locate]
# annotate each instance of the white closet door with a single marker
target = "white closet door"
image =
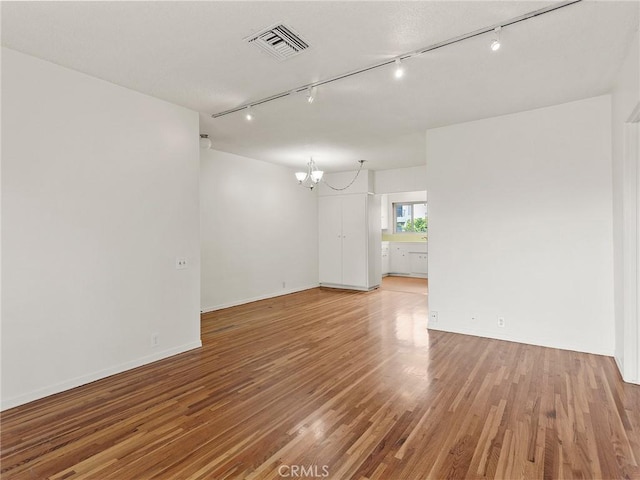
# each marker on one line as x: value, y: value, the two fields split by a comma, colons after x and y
x: 354, y: 240
x: 330, y: 240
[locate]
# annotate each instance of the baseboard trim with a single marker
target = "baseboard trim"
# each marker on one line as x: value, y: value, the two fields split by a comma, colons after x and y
x: 619, y: 365
x: 507, y: 338
x: 92, y: 377
x: 408, y: 275
x: 348, y: 287
x: 244, y: 301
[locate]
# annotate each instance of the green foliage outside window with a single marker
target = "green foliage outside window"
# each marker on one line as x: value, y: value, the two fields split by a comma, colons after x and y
x: 418, y: 225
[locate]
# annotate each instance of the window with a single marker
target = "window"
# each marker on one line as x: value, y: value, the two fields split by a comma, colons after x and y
x: 410, y: 217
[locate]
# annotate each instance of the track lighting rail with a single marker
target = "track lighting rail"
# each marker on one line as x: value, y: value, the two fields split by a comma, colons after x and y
x: 415, y: 53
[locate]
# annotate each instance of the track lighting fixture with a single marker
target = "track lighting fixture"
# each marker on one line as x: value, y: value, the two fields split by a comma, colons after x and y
x: 311, y: 94
x: 399, y: 72
x: 205, y: 141
x: 249, y: 114
x: 495, y: 45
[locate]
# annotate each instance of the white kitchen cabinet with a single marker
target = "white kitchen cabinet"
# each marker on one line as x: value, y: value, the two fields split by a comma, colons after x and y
x: 349, y: 241
x: 384, y: 212
x: 399, y: 261
x: 418, y: 264
x: 385, y: 258
x: 408, y: 259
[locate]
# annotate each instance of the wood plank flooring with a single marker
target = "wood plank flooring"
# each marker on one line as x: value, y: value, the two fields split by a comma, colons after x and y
x: 406, y: 284
x: 339, y: 385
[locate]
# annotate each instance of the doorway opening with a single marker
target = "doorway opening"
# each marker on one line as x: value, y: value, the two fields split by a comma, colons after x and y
x: 404, y: 237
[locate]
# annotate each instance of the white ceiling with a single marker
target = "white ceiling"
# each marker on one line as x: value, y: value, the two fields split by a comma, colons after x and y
x: 193, y: 54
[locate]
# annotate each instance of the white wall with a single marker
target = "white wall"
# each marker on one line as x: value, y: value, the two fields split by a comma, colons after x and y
x: 520, y: 226
x: 259, y: 231
x: 625, y: 98
x: 400, y: 180
x: 99, y: 197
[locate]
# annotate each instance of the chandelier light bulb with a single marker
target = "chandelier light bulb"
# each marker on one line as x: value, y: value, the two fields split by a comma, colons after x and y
x: 301, y: 176
x: 316, y: 175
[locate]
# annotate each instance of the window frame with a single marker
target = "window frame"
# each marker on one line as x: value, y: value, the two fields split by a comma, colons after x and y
x: 412, y: 220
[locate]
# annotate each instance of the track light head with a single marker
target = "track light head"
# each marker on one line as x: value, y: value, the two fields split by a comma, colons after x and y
x: 205, y: 141
x: 399, y: 71
x: 311, y: 94
x: 495, y: 45
x: 249, y: 114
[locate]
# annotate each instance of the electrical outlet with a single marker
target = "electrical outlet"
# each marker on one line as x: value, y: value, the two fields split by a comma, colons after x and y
x: 501, y: 322
x: 433, y: 317
x: 181, y: 263
x: 474, y: 318
x: 155, y: 339
x: 284, y: 284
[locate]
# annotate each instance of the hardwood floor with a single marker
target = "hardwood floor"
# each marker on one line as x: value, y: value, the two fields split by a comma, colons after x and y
x: 406, y: 284
x: 335, y: 384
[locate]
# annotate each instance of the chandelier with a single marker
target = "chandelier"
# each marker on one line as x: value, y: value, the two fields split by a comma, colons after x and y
x: 314, y: 175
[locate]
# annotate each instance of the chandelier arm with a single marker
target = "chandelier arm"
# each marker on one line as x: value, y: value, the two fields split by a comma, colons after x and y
x: 350, y: 183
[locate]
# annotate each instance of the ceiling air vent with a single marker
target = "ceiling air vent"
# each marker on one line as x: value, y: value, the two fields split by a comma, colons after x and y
x: 279, y: 41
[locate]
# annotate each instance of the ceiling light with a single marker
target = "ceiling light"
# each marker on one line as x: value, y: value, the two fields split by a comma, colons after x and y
x: 415, y: 53
x: 399, y: 72
x: 314, y: 175
x: 249, y: 114
x: 311, y: 94
x: 495, y: 45
x: 205, y: 141
x: 311, y: 177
